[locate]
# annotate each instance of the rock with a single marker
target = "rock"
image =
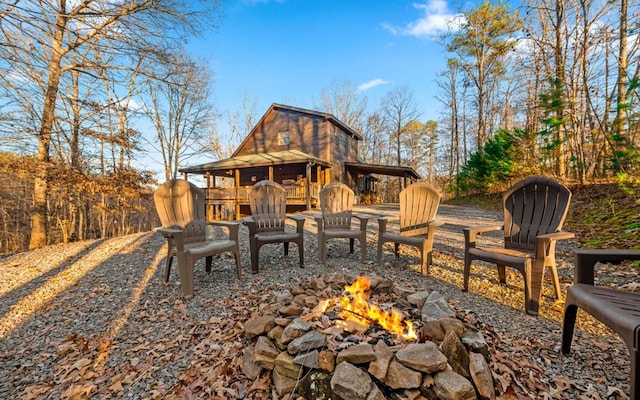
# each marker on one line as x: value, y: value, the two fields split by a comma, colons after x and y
x: 378, y: 367
x: 285, y: 365
x: 474, y: 340
x: 300, y: 299
x: 281, y: 321
x: 259, y: 326
x: 282, y: 383
x: 452, y: 324
x: 291, y: 310
x: 315, y: 385
x: 294, y: 330
x: 375, y: 393
x: 285, y: 297
x: 425, y: 357
x: 481, y: 376
x: 456, y: 353
x: 401, y: 377
x: 402, y: 291
x: 436, y: 308
x: 433, y: 330
x: 327, y: 361
x: 309, y: 360
x: 317, y: 284
x: 452, y: 386
x: 418, y: 298
x: 249, y: 368
x: 309, y: 341
x: 265, y: 353
x: 357, y: 354
x: 275, y: 335
x: 350, y: 382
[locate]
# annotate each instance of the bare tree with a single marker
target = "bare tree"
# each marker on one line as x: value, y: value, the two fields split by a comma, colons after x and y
x: 44, y: 35
x: 481, y: 46
x: 345, y: 102
x: 180, y: 111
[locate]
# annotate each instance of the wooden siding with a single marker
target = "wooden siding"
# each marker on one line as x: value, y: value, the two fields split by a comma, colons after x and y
x: 307, y: 133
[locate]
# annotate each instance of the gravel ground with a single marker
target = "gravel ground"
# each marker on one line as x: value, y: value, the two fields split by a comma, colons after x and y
x: 94, y: 319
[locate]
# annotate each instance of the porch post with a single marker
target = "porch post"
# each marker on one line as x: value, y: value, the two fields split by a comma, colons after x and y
x: 237, y: 184
x: 208, y: 208
x: 307, y: 189
x: 270, y: 172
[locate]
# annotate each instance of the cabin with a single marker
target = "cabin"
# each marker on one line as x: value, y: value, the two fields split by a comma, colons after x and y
x: 301, y: 149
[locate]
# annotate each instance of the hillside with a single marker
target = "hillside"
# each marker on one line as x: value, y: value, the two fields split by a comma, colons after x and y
x: 601, y: 215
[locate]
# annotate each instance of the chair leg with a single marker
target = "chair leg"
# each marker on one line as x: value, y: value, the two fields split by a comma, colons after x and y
x: 208, y: 261
x: 167, y: 268
x: 533, y: 273
x: 467, y: 272
x: 351, y: 245
x: 568, y: 324
x: 286, y: 248
x: 425, y: 256
x: 379, y: 253
x: 363, y: 247
x: 236, y: 254
x: 502, y: 274
x: 321, y: 247
x: 396, y: 249
x: 301, y: 252
x: 635, y: 379
x: 554, y: 277
x: 186, y: 276
x: 254, y: 249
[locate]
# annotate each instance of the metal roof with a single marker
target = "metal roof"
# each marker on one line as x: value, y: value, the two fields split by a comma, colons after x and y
x: 255, y: 160
x: 381, y: 169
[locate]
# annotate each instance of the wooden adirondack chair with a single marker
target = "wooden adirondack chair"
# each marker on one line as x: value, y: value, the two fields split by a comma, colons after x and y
x: 180, y: 206
x: 617, y: 309
x: 419, y: 204
x: 268, y: 203
x: 336, y: 202
x: 534, y: 211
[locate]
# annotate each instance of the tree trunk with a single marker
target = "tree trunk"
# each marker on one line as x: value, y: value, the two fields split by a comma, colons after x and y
x: 40, y: 187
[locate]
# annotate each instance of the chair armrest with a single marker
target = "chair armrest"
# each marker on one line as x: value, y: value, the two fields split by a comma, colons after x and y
x: 175, y: 234
x: 319, y: 220
x: 471, y: 233
x: 364, y: 220
x: 169, y: 233
x: 585, y: 261
x: 250, y: 223
x: 299, y: 222
x: 232, y: 227
x: 545, y: 244
x: 436, y: 223
x: 383, y: 221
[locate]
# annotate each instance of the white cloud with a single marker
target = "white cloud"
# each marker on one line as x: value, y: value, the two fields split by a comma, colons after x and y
x: 436, y: 20
x: 371, y: 84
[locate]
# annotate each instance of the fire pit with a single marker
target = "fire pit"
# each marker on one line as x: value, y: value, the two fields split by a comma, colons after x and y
x: 336, y: 338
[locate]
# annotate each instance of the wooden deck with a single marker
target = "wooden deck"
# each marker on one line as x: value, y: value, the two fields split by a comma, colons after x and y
x: 221, y: 202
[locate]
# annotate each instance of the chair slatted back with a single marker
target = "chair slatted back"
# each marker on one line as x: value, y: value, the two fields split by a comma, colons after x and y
x: 419, y: 204
x: 336, y: 202
x: 179, y: 202
x: 534, y: 206
x: 268, y: 203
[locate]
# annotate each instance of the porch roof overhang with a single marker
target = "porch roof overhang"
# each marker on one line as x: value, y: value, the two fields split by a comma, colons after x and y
x: 253, y: 161
x: 392, y: 170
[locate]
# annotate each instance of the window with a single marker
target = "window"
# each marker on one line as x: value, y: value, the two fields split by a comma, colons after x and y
x: 283, y: 138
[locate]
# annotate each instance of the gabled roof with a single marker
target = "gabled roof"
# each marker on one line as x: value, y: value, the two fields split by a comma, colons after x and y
x: 276, y: 106
x: 255, y: 160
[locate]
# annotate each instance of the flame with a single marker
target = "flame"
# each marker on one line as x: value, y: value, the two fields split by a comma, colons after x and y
x: 355, y: 308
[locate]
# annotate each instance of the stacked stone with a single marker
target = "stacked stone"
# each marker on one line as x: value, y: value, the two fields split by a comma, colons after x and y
x: 311, y: 359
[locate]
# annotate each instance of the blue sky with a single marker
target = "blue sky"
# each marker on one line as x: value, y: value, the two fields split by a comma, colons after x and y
x: 288, y: 51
